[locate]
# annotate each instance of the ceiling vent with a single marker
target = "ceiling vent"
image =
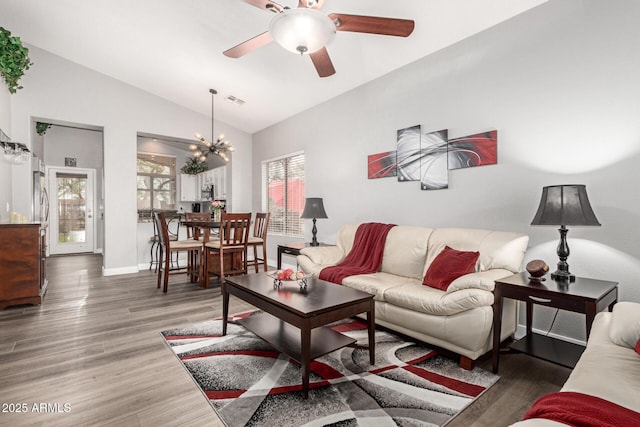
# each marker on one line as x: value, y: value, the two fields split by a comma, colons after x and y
x: 236, y: 101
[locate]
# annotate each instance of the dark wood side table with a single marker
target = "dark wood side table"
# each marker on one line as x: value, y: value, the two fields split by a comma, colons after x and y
x: 587, y: 296
x: 292, y: 249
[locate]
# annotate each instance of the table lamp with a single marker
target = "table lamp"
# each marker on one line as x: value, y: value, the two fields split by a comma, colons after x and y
x: 313, y: 208
x: 564, y: 205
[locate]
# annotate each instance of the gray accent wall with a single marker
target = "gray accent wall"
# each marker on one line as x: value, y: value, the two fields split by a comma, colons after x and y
x: 560, y: 83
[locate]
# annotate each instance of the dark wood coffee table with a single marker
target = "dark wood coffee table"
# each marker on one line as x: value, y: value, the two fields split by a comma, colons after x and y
x: 293, y: 319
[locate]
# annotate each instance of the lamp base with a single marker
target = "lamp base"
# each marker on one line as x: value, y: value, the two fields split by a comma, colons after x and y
x: 563, y: 276
x: 562, y: 273
x: 314, y: 230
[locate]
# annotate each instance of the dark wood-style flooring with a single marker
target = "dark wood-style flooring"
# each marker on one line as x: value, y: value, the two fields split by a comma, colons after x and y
x: 92, y: 355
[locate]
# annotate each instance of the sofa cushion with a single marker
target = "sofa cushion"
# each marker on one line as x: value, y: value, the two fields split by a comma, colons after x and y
x: 375, y: 283
x: 448, y: 266
x: 498, y: 249
x: 625, y: 324
x: 637, y: 347
x: 346, y: 237
x: 480, y: 280
x: 424, y: 299
x: 405, y: 251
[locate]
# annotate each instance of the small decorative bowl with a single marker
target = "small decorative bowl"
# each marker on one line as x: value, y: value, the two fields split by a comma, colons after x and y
x: 277, y: 283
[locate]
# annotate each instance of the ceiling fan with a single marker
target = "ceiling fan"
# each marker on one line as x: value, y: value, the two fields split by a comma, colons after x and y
x: 307, y: 30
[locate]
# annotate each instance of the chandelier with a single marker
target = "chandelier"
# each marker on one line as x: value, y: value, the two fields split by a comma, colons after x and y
x: 15, y: 153
x: 219, y: 147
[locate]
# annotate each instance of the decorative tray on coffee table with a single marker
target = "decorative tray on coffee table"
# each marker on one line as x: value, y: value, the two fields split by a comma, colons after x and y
x: 280, y: 276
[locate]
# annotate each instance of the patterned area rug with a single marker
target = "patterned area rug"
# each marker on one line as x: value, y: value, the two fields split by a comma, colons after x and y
x: 250, y: 384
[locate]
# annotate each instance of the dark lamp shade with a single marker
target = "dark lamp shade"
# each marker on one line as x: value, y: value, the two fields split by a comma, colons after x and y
x: 313, y: 208
x: 565, y: 205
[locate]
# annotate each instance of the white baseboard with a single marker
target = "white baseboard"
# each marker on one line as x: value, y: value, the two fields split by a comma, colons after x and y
x: 522, y: 330
x: 120, y: 270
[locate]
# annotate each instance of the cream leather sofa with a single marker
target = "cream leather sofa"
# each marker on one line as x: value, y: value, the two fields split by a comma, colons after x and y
x: 609, y: 368
x: 459, y: 319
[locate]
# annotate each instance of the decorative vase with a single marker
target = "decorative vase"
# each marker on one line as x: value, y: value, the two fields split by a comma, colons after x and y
x: 216, y: 215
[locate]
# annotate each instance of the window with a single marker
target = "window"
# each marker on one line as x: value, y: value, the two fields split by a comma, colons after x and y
x: 283, y: 194
x: 156, y: 182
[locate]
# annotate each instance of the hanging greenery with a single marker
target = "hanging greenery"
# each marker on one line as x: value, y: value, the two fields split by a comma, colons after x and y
x: 194, y: 166
x: 42, y: 128
x: 14, y: 59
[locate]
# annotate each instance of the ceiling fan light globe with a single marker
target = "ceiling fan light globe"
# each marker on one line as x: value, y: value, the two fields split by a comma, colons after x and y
x: 301, y: 30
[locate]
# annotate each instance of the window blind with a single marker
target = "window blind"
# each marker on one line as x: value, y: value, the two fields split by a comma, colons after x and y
x: 283, y: 194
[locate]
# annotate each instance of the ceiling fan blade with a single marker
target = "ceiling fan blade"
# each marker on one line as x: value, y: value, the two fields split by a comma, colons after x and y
x: 373, y: 24
x: 267, y: 5
x: 322, y: 62
x: 249, y: 45
x: 311, y: 4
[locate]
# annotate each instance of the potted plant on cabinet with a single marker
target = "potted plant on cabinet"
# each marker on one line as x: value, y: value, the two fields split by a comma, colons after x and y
x: 194, y: 166
x: 14, y: 59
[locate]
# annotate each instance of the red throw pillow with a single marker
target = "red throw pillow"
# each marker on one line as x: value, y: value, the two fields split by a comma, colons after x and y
x: 448, y: 266
x: 637, y: 349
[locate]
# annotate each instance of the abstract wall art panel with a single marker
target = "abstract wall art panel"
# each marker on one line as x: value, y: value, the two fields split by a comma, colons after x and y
x: 382, y: 165
x: 429, y: 157
x: 434, y: 174
x: 474, y: 150
x: 408, y: 154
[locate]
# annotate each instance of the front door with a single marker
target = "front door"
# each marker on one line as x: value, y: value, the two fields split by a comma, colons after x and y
x: 72, y: 219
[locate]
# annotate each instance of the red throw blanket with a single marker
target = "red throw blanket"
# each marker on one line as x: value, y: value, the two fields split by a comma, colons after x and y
x: 582, y: 410
x: 365, y: 256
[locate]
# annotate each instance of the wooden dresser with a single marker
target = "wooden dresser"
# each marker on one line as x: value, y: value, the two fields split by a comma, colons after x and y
x: 23, y: 277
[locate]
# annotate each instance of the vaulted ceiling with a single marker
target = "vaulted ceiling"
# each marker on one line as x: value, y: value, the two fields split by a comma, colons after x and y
x: 173, y: 48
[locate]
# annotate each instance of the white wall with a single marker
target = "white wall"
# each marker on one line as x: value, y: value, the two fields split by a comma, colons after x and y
x: 559, y: 83
x: 61, y: 90
x: 5, y: 168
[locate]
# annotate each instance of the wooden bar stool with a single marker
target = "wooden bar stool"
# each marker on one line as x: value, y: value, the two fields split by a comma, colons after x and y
x: 259, y: 238
x: 168, y: 247
x: 227, y: 254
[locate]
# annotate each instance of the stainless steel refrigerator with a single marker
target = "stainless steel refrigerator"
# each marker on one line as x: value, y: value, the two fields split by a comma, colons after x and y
x: 40, y: 202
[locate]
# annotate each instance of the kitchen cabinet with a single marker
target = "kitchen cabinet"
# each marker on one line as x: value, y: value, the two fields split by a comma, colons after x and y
x: 189, y: 188
x: 193, y: 187
x: 219, y: 180
x: 22, y: 264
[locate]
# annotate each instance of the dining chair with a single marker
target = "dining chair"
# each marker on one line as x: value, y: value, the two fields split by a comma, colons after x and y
x: 168, y: 247
x: 227, y: 254
x: 155, y: 241
x: 259, y: 238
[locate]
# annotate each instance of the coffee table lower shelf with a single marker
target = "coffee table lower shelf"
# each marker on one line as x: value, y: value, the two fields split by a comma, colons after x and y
x: 286, y: 338
x: 550, y: 349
